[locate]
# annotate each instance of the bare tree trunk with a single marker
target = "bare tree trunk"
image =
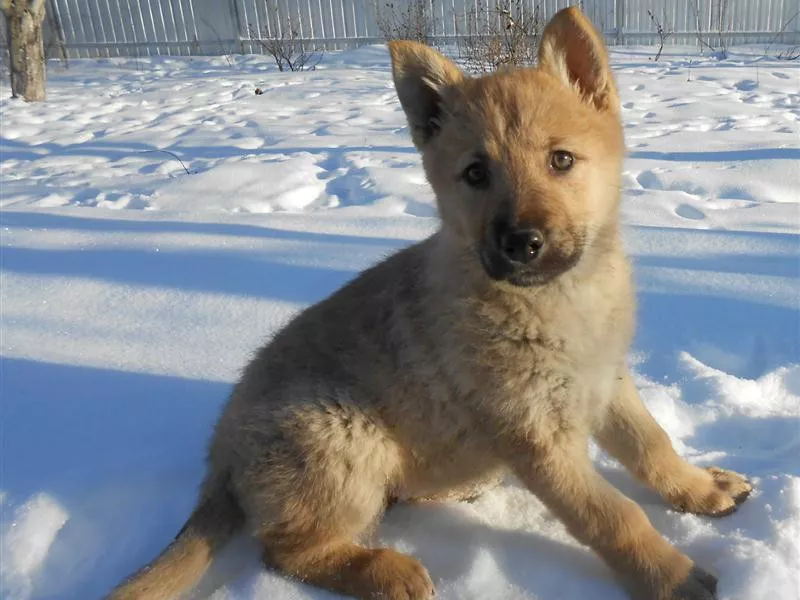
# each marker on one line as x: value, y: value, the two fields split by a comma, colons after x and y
x: 24, y: 20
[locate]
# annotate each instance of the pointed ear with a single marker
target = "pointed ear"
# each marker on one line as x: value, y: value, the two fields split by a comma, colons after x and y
x: 573, y: 51
x: 421, y: 76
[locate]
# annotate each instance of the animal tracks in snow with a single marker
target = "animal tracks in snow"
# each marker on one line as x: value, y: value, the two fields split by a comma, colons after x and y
x: 339, y: 145
x: 701, y: 185
x: 687, y: 211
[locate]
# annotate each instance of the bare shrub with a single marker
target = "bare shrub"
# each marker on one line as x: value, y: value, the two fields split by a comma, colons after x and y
x: 718, y: 37
x: 664, y: 32
x: 287, y: 46
x: 501, y: 36
x: 723, y: 21
x: 227, y: 49
x: 405, y: 20
x: 790, y: 53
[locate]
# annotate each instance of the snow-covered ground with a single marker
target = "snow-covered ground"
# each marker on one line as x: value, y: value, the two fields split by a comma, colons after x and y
x: 122, y: 330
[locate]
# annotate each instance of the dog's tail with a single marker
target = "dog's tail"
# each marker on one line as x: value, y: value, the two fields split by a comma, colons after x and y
x: 216, y: 519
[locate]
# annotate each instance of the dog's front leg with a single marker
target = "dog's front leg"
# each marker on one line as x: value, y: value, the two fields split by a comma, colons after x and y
x: 630, y: 434
x: 559, y: 471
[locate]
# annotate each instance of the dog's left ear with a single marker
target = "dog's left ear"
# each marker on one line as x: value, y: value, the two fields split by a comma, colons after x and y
x: 574, y: 51
x: 421, y: 77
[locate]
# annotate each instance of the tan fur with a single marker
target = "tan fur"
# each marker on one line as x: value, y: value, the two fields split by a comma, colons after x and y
x: 426, y: 378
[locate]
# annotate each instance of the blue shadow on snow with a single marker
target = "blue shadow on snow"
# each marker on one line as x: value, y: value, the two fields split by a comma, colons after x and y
x: 121, y: 452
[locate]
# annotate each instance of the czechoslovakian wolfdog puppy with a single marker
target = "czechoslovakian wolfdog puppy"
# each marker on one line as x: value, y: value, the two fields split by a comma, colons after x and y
x: 496, y: 345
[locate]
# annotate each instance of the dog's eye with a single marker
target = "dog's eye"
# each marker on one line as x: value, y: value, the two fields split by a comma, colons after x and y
x: 561, y: 160
x: 476, y: 175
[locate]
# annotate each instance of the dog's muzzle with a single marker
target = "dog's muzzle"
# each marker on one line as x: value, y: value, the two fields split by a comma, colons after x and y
x: 523, y: 255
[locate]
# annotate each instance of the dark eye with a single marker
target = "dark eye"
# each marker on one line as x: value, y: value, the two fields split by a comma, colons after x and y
x: 561, y: 160
x: 476, y: 175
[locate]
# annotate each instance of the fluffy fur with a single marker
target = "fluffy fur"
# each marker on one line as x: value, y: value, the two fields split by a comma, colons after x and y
x: 447, y: 365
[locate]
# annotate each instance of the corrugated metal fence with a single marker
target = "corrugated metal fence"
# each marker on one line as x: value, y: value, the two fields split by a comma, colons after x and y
x: 86, y: 28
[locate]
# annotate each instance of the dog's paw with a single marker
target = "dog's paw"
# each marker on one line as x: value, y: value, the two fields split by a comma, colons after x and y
x: 700, y: 585
x: 713, y: 492
x: 395, y: 576
x: 674, y: 577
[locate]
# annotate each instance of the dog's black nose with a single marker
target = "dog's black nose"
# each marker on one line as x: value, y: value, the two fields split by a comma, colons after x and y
x: 521, y: 245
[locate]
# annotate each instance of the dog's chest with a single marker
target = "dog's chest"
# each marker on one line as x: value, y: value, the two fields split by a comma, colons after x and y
x: 570, y: 347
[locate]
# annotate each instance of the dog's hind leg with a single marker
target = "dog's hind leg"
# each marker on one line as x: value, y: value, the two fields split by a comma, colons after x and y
x: 348, y: 568
x: 631, y: 435
x: 323, y: 484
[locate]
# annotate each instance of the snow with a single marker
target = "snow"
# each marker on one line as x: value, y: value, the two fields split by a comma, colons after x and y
x: 133, y: 292
x: 26, y: 542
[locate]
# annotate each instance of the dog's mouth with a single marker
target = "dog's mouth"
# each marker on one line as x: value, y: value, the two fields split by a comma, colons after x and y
x: 550, y: 262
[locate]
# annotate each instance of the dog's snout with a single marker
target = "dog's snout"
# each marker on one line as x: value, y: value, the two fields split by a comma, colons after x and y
x: 521, y: 245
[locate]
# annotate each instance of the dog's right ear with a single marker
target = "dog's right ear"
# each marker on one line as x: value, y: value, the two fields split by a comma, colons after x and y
x: 573, y: 51
x: 421, y: 76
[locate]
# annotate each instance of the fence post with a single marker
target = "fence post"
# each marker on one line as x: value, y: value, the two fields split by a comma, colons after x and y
x: 619, y: 21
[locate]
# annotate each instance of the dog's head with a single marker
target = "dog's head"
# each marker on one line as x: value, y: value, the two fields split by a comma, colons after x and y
x: 525, y: 163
